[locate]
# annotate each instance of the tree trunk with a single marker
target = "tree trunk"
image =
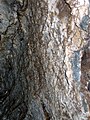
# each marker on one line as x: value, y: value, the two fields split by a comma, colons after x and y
x: 44, y: 60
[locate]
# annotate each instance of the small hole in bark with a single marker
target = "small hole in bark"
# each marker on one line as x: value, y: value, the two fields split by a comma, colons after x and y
x: 88, y: 86
x: 0, y: 21
x: 21, y: 39
x: 0, y: 37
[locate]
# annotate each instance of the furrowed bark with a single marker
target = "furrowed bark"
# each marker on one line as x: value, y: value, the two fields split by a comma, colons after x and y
x: 44, y: 60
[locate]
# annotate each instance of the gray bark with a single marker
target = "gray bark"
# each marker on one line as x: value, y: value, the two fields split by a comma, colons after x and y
x: 41, y: 60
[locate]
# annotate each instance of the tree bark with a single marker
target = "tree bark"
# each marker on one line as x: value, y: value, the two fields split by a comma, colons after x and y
x: 42, y: 55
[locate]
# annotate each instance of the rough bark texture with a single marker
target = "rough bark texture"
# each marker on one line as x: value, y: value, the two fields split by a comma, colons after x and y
x: 44, y: 60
